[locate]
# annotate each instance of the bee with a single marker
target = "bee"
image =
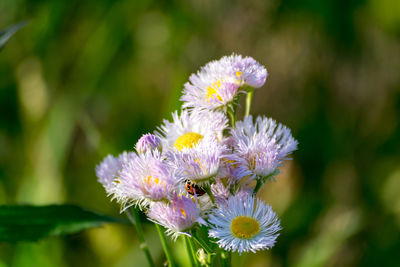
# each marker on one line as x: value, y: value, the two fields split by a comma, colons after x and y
x: 193, y: 189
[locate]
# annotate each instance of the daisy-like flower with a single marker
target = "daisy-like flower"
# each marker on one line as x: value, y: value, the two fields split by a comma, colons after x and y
x: 178, y: 216
x: 260, y: 147
x: 199, y: 164
x: 247, y: 70
x: 206, y: 91
x: 108, y: 170
x: 148, y: 142
x: 144, y: 179
x: 244, y: 224
x: 188, y: 129
x: 217, y: 83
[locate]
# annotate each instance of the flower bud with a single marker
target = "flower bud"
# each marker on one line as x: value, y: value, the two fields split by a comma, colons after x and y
x: 148, y: 142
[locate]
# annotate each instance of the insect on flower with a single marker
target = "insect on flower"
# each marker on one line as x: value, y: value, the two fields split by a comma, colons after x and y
x: 193, y: 189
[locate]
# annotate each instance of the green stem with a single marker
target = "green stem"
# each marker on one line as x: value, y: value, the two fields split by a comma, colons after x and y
x: 167, y: 252
x: 209, y: 193
x: 248, y: 102
x: 135, y: 220
x: 190, y: 251
x: 209, y: 259
x: 226, y: 258
x: 258, y: 186
x: 232, y: 117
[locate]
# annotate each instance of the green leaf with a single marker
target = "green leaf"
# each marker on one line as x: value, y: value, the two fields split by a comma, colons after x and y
x: 30, y: 223
x: 6, y: 34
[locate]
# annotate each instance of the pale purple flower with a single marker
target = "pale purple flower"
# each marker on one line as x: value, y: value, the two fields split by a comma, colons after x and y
x: 220, y: 191
x: 252, y: 73
x: 241, y: 70
x: 178, y: 216
x: 148, y: 142
x: 217, y: 83
x: 145, y: 179
x: 244, y: 191
x: 204, y: 91
x: 260, y: 147
x: 229, y: 169
x: 201, y: 163
x: 108, y: 170
x: 244, y: 224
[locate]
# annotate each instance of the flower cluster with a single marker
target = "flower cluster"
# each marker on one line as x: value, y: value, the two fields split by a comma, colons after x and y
x: 202, y: 169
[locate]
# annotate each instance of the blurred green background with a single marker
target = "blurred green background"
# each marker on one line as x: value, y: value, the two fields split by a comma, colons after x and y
x: 87, y: 78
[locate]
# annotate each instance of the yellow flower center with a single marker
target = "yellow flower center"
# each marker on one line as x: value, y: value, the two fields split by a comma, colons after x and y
x: 238, y: 74
x: 212, y: 91
x: 245, y: 227
x: 187, y: 140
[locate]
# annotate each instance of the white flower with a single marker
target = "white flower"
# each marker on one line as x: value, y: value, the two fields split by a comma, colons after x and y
x: 188, y: 129
x: 244, y: 224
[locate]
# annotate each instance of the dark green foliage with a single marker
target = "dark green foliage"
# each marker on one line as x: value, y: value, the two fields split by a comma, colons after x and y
x: 31, y: 223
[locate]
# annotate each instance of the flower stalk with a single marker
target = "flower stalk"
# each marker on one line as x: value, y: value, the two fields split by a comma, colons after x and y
x: 226, y: 258
x: 135, y: 220
x: 232, y: 117
x: 164, y: 244
x: 190, y: 251
x: 249, y: 97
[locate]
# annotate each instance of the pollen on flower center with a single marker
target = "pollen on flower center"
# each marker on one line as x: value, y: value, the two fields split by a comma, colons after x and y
x: 254, y: 160
x: 245, y: 227
x: 238, y: 73
x: 151, y: 180
x: 187, y: 140
x: 183, y: 213
x: 229, y: 163
x: 212, y: 91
